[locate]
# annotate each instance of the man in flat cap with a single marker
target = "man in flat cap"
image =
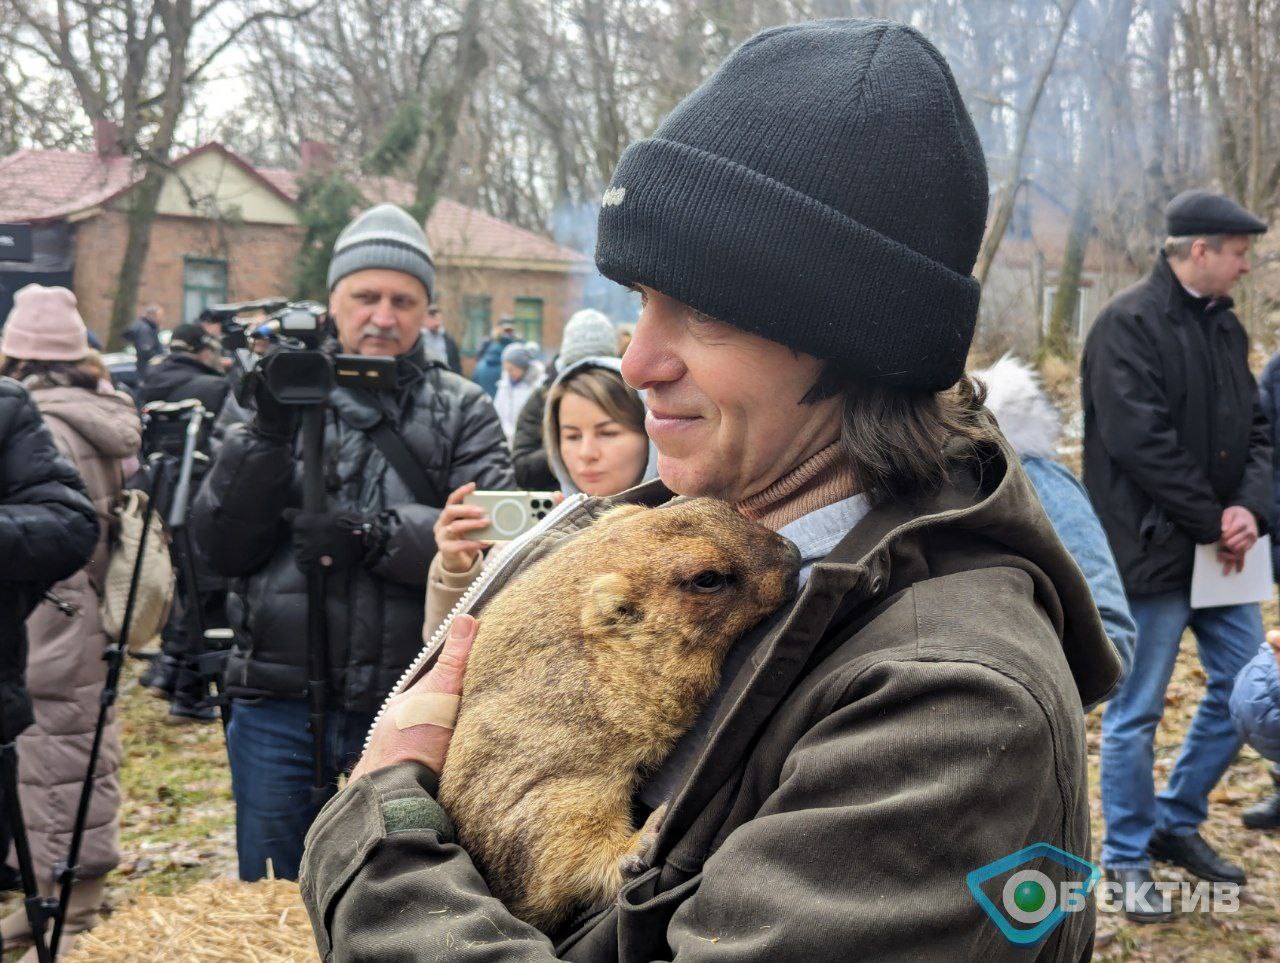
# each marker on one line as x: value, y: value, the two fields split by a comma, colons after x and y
x: 1177, y: 453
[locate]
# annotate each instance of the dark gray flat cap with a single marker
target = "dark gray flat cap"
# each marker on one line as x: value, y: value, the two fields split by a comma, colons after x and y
x: 1198, y: 212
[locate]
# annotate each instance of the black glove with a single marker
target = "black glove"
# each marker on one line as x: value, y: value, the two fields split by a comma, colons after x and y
x: 331, y: 541
x: 270, y: 417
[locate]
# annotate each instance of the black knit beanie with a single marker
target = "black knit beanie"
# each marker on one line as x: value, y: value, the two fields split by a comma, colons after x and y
x: 825, y: 189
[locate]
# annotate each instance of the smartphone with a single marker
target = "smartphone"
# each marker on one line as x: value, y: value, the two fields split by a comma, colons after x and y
x: 510, y: 513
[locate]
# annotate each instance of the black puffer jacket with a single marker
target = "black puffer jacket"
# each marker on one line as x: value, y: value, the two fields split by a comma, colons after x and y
x: 181, y: 375
x: 1173, y: 429
x: 528, y: 453
x: 374, y: 612
x: 48, y: 530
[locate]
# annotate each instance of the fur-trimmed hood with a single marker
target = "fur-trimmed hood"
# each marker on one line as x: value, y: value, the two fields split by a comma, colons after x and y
x: 1024, y: 412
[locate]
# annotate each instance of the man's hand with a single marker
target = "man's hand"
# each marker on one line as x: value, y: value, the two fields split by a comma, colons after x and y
x: 423, y: 742
x: 1239, y: 534
x: 329, y: 542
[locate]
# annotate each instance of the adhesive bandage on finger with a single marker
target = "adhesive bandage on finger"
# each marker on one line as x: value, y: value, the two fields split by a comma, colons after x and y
x: 427, y: 709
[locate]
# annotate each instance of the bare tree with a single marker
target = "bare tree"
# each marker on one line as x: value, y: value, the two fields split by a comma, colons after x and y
x: 1006, y: 194
x: 134, y: 62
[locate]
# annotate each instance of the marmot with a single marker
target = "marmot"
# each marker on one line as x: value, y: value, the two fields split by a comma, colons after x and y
x: 587, y: 669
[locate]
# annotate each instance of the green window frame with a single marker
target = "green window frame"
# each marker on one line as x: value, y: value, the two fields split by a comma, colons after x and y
x: 528, y: 318
x: 477, y: 310
x: 204, y: 282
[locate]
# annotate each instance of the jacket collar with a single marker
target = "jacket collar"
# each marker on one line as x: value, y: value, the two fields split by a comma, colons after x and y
x: 1179, y: 302
x: 191, y: 361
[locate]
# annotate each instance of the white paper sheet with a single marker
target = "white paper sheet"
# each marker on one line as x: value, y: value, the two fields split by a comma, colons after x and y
x: 1210, y: 588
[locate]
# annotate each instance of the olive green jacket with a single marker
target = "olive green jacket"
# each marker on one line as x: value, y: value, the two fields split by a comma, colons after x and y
x: 914, y: 716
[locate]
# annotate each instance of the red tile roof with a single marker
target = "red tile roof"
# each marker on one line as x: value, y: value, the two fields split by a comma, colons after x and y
x: 40, y: 185
x: 453, y: 229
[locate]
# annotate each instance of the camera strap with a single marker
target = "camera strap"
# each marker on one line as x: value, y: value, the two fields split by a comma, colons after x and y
x: 399, y: 457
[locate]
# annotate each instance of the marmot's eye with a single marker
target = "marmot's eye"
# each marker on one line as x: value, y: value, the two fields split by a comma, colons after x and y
x: 708, y: 581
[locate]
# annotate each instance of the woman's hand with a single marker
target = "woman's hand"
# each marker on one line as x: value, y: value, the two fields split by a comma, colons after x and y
x: 457, y: 552
x: 404, y: 733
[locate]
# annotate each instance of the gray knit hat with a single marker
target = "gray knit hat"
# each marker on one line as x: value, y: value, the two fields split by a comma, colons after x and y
x: 383, y: 237
x: 588, y: 334
x: 518, y: 353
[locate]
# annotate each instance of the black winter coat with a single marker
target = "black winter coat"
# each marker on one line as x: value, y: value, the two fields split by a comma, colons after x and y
x: 1269, y: 395
x: 179, y: 376
x: 528, y: 453
x: 48, y: 530
x: 374, y: 612
x: 1173, y: 429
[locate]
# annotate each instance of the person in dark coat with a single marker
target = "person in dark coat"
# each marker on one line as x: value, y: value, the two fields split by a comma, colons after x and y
x: 439, y: 342
x: 1266, y: 814
x: 48, y: 531
x: 144, y: 335
x: 488, y: 369
x: 1177, y: 453
x: 191, y: 369
x: 373, y: 546
x: 588, y: 334
x: 911, y: 721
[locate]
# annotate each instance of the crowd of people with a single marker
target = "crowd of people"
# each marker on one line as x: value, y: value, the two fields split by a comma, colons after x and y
x: 964, y: 598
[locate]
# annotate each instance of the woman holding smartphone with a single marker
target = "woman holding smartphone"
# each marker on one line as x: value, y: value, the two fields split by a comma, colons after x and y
x: 595, y: 441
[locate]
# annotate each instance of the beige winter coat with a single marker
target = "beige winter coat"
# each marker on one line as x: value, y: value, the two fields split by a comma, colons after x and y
x: 65, y: 669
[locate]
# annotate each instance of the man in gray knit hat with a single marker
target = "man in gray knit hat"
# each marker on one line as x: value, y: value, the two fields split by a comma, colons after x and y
x: 390, y: 459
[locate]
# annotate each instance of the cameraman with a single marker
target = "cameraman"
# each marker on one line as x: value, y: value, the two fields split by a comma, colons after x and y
x: 374, y: 544
x: 191, y: 370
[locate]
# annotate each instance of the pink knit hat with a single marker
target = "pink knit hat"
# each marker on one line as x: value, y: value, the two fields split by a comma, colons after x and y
x: 44, y: 325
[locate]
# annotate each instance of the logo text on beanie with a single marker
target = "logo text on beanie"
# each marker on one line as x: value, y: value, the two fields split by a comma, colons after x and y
x: 613, y: 196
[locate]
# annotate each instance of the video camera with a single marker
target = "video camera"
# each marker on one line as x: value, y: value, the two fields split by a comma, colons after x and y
x: 302, y: 363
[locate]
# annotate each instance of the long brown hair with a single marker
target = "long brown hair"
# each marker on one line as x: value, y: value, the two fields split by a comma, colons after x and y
x: 84, y: 373
x: 903, y: 444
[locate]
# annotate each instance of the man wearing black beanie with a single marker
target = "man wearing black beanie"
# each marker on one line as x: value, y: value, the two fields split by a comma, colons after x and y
x: 893, y: 764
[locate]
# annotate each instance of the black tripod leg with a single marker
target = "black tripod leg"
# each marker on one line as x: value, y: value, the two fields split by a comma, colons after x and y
x: 313, y: 500
x: 39, y: 910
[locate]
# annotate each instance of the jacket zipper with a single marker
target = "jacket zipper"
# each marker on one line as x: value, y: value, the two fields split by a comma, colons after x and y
x: 492, y: 568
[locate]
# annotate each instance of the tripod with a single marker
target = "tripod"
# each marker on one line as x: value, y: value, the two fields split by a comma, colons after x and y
x: 38, y: 908
x: 165, y: 490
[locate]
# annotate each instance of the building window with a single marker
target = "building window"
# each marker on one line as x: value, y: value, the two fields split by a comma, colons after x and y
x: 529, y: 319
x: 204, y: 282
x: 1050, y: 292
x: 475, y: 309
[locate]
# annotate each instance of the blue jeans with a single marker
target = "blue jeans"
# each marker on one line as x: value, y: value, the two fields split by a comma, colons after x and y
x: 1226, y: 638
x: 269, y: 746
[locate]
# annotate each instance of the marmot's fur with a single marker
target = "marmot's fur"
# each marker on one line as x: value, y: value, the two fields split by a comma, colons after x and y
x: 587, y: 669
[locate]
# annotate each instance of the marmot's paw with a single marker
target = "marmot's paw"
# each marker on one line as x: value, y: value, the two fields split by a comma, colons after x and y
x: 641, y: 856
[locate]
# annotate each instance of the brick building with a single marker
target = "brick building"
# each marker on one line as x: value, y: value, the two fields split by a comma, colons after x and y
x: 227, y: 231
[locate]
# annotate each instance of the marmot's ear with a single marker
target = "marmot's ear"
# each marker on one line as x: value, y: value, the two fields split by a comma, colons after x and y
x: 610, y: 597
